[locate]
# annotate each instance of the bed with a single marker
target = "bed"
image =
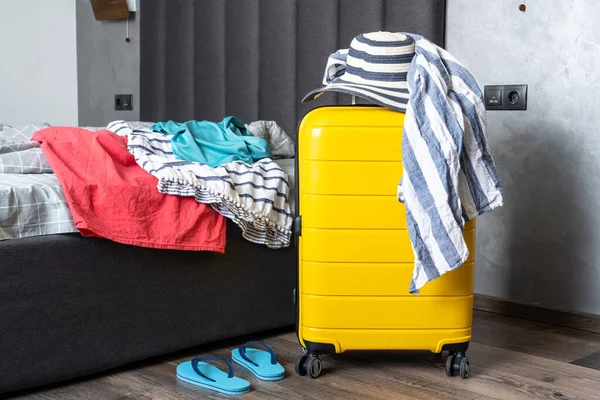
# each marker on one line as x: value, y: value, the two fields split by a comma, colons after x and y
x: 72, y: 306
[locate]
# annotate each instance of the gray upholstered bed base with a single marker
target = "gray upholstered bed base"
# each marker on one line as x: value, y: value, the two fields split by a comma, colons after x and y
x: 71, y: 306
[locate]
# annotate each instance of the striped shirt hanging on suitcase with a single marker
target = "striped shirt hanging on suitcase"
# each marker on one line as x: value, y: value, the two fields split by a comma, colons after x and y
x: 449, y: 175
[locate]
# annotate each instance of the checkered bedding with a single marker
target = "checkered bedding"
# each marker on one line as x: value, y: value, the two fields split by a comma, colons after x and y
x: 32, y: 202
x: 32, y: 205
x: 18, y: 155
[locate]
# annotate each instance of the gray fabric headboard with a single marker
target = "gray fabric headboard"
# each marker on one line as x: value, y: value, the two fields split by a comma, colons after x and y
x: 255, y: 59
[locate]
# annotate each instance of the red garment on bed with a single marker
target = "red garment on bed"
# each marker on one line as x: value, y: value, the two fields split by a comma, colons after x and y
x: 110, y: 196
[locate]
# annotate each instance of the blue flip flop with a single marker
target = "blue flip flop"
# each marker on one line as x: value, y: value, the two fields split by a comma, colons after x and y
x: 261, y: 363
x: 197, y: 372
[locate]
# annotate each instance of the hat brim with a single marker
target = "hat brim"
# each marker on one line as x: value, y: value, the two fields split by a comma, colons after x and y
x: 370, y: 93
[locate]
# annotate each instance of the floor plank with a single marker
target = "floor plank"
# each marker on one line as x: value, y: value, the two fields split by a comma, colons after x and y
x: 497, y: 373
x: 590, y: 361
x: 535, y: 338
x: 505, y: 374
x: 511, y: 359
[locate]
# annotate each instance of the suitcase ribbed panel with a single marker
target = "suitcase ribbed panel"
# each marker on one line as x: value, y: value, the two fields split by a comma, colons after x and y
x: 356, y: 259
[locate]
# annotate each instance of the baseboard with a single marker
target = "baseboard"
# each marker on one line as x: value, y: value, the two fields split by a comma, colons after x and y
x: 574, y: 320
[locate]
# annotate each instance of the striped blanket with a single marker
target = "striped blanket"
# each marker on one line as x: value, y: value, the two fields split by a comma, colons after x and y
x: 254, y: 196
x: 449, y: 174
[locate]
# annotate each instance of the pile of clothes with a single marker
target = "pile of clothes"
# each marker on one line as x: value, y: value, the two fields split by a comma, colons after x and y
x: 171, y: 185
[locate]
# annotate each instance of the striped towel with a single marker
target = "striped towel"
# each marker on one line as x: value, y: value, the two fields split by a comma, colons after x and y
x: 254, y: 196
x: 449, y: 174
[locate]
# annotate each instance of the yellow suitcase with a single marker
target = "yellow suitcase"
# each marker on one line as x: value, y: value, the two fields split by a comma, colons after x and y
x: 355, y: 259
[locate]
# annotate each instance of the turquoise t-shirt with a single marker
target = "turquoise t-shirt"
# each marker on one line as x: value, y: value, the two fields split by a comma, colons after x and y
x: 214, y: 143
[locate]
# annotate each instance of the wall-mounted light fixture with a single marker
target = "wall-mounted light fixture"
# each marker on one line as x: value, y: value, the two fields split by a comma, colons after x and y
x: 110, y: 9
x: 114, y: 9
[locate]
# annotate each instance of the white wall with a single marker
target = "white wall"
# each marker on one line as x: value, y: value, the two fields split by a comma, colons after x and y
x: 543, y: 245
x: 38, y: 62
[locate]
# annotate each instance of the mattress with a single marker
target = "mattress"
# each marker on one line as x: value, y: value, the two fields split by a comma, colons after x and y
x: 32, y: 205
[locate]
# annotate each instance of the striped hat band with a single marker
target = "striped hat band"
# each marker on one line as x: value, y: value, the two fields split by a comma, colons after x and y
x: 375, y: 68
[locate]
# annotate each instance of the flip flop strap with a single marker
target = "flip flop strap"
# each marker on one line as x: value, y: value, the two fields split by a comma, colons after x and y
x: 195, y: 362
x: 259, y: 343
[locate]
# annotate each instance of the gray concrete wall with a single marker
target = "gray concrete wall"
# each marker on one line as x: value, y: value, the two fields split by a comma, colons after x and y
x: 543, y: 246
x: 106, y: 65
x: 38, y: 68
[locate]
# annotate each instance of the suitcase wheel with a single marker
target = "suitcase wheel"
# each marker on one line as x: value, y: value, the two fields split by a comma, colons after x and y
x: 300, y: 361
x: 465, y: 367
x: 458, y: 363
x: 309, y: 365
x: 450, y: 365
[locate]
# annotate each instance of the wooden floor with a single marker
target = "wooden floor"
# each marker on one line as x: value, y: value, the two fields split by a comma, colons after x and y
x: 511, y: 358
